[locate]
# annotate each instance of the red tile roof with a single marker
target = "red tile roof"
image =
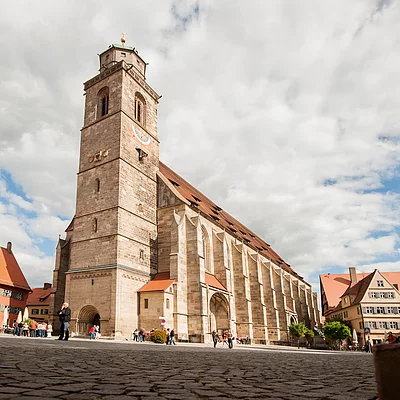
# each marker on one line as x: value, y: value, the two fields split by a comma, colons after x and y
x: 358, y: 290
x: 10, y: 272
x: 39, y: 296
x: 218, y: 216
x: 335, y: 285
x: 160, y: 282
x: 211, y: 280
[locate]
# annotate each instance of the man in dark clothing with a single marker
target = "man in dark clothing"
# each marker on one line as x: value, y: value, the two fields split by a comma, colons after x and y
x: 65, y: 318
x: 215, y: 338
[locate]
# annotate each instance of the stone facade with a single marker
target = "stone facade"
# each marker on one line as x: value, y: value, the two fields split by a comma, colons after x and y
x: 134, y: 224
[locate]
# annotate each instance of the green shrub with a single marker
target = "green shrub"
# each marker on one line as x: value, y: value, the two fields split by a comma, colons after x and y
x: 158, y: 336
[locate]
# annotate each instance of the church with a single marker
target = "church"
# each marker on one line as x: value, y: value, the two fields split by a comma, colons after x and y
x: 146, y: 249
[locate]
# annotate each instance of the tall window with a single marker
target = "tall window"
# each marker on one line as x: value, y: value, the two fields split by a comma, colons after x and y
x: 97, y: 185
x: 94, y: 224
x: 167, y: 304
x: 206, y: 249
x: 146, y: 303
x: 102, y: 102
x: 140, y: 109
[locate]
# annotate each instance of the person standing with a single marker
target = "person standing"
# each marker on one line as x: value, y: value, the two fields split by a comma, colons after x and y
x: 65, y: 319
x: 167, y: 336
x: 230, y: 339
x: 32, y: 328
x: 92, y: 332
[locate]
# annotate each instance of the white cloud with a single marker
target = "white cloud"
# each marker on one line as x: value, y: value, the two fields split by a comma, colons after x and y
x: 285, y: 114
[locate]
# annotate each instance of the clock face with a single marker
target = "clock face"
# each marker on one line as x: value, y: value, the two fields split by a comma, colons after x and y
x: 142, y: 139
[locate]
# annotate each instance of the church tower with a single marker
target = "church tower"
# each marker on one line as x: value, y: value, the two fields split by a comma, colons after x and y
x: 113, y: 247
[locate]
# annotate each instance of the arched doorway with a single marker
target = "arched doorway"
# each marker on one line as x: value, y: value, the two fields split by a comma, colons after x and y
x: 87, y: 317
x: 219, y: 313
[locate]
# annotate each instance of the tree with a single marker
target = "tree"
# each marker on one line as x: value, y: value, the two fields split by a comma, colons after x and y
x: 297, y: 330
x: 309, y: 334
x: 337, y: 330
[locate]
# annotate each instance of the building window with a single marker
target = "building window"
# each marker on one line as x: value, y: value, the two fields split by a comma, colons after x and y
x: 358, y: 310
x: 345, y: 300
x: 102, y: 102
x: 369, y: 310
x: 361, y: 325
x: 381, y: 325
x: 7, y: 293
x: 17, y: 296
x: 379, y: 283
x: 35, y: 311
x: 390, y: 295
x: 390, y: 310
x: 392, y: 325
x: 372, y: 295
x: 206, y: 249
x: 141, y: 255
x: 140, y: 109
x: 94, y: 224
x: 44, y: 311
x: 146, y: 303
x: 380, y: 310
x: 167, y: 304
x: 97, y: 185
x: 346, y: 314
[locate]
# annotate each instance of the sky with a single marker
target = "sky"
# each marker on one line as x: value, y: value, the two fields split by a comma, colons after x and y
x: 285, y: 114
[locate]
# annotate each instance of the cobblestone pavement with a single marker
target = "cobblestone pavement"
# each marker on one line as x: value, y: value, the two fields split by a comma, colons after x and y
x: 82, y: 369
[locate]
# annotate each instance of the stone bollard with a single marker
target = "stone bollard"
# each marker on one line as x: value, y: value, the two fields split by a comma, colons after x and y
x: 387, y: 361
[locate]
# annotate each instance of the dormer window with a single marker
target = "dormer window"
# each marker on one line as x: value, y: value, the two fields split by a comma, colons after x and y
x: 140, y: 109
x: 102, y: 102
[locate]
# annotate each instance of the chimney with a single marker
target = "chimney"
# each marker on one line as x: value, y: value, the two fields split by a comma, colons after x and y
x: 47, y: 286
x: 353, y: 276
x: 9, y: 247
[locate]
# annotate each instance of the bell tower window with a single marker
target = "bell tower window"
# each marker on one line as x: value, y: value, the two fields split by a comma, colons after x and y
x: 140, y: 109
x: 102, y: 102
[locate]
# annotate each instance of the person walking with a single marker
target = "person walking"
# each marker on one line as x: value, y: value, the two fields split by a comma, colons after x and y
x: 172, y: 337
x: 65, y: 319
x: 167, y: 336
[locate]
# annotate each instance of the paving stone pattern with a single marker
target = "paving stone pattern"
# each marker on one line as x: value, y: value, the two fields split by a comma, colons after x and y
x: 83, y: 369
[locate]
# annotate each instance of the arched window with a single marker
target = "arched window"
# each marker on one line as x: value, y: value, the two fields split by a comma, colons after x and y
x: 206, y: 249
x: 140, y: 109
x: 97, y: 187
x: 102, y: 102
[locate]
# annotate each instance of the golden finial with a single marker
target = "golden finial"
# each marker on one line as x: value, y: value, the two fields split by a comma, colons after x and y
x: 123, y: 38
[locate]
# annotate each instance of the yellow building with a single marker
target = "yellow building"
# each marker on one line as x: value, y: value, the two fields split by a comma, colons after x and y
x: 38, y: 303
x: 371, y: 304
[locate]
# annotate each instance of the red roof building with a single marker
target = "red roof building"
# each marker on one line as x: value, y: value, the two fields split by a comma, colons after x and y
x: 370, y: 302
x: 14, y: 288
x: 38, y: 303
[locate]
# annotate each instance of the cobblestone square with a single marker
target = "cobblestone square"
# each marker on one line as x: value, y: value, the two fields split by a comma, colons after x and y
x: 82, y: 369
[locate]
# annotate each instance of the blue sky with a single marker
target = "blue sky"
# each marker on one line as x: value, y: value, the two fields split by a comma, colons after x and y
x: 283, y: 113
